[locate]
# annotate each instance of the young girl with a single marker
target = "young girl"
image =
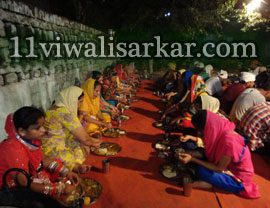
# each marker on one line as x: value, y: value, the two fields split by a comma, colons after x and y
x: 22, y: 150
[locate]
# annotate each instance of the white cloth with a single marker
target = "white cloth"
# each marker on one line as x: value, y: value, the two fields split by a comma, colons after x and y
x: 208, y: 68
x: 214, y: 86
x: 223, y: 74
x: 200, y: 65
x: 247, y: 77
x: 244, y: 101
x: 256, y: 71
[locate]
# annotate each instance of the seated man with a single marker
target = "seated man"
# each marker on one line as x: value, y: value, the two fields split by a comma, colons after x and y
x: 233, y: 91
x: 251, y: 97
x: 214, y: 84
x: 255, y: 124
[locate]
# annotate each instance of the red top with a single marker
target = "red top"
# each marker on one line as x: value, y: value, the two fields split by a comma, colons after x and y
x: 229, y: 96
x: 17, y: 153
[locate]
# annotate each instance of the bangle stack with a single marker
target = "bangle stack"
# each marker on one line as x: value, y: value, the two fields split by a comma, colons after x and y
x: 57, y: 168
x: 53, y: 166
x: 54, y: 189
x: 63, y: 171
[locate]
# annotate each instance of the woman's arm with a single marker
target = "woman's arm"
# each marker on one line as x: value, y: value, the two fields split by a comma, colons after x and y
x: 81, y: 136
x: 100, y: 116
x: 46, y: 189
x: 220, y: 167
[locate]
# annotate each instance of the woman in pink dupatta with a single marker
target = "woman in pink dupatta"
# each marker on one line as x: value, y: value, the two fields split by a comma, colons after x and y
x: 229, y: 166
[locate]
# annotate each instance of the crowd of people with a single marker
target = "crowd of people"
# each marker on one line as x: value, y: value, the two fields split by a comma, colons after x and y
x: 229, y: 116
x: 52, y: 146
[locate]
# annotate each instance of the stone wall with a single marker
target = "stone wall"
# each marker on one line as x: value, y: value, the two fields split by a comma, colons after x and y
x: 36, y: 81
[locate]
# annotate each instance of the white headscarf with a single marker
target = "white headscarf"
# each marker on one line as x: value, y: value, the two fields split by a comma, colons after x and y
x: 69, y: 98
x: 208, y: 68
x: 247, y: 77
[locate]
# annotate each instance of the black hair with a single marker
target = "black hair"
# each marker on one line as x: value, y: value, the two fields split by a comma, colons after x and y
x: 199, y: 119
x: 27, y: 116
x: 81, y: 96
x: 96, y: 84
x: 263, y: 81
x: 96, y: 75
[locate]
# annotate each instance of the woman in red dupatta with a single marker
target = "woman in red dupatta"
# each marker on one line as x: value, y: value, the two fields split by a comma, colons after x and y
x: 229, y: 166
x: 22, y: 149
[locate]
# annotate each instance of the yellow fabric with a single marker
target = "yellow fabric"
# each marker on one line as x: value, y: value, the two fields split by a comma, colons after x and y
x: 210, y: 103
x: 69, y: 98
x: 200, y: 142
x: 107, y: 117
x: 59, y: 142
x: 119, y: 84
x: 90, y: 105
x: 92, y: 128
x: 181, y: 71
x: 172, y: 66
x: 198, y: 87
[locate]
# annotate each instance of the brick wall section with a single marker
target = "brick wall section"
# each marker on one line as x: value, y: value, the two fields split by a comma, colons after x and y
x: 36, y: 81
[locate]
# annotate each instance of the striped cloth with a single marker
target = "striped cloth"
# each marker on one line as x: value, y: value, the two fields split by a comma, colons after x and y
x: 255, y: 124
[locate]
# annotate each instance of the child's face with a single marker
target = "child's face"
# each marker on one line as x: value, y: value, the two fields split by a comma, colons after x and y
x: 34, y: 132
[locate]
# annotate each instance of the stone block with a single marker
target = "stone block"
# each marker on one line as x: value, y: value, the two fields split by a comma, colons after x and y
x: 1, y: 80
x: 34, y: 73
x: 4, y: 4
x: 44, y: 72
x: 21, y: 31
x: 4, y: 56
x: 21, y: 76
x: 10, y: 30
x: 10, y: 78
x: 30, y: 31
x: 2, y: 30
x: 4, y: 43
x: 2, y: 71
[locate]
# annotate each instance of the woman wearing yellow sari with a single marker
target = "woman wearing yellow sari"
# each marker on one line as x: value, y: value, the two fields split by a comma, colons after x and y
x: 95, y: 121
x: 66, y: 138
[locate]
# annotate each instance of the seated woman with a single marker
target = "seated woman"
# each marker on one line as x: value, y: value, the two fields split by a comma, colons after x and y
x: 202, y: 102
x: 229, y: 166
x: 194, y: 88
x: 131, y: 75
x: 95, y: 121
x: 66, y: 138
x: 107, y: 108
x: 110, y: 89
x: 123, y: 86
x: 160, y: 84
x: 22, y: 149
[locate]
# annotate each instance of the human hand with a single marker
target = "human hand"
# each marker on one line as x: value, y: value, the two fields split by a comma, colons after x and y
x: 184, y: 157
x: 186, y: 138
x: 73, y: 177
x: 108, y: 125
x: 85, y: 149
x: 163, y: 117
x: 69, y: 189
x: 115, y: 109
x: 96, y: 143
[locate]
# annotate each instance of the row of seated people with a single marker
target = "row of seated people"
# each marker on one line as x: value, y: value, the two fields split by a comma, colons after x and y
x: 52, y: 146
x: 193, y: 103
